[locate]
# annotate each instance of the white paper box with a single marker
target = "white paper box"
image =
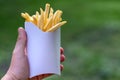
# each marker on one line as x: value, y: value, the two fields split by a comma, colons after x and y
x: 43, y: 50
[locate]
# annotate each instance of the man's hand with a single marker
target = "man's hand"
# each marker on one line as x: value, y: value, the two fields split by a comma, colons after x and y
x: 19, y: 67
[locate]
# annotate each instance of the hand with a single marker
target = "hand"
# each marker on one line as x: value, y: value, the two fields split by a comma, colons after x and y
x: 19, y: 67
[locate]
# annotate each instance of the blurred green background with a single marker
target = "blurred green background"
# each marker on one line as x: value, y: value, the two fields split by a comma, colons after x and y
x: 91, y: 38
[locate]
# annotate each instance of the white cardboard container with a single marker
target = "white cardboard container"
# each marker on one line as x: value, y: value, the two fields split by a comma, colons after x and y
x: 43, y: 49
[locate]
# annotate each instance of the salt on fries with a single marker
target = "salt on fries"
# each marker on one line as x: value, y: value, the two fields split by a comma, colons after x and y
x: 47, y: 20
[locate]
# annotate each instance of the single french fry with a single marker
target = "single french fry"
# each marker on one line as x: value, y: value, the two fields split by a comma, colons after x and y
x: 35, y: 21
x: 46, y: 12
x: 51, y: 12
x: 55, y: 15
x: 57, y: 19
x: 41, y: 20
x: 24, y: 16
x: 37, y: 15
x: 56, y: 26
x: 29, y: 18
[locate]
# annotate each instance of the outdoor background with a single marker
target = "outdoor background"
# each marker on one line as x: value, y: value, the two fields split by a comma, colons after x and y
x: 91, y: 38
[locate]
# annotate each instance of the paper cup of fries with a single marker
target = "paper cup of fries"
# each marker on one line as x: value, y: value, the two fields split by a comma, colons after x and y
x: 43, y: 41
x: 43, y: 50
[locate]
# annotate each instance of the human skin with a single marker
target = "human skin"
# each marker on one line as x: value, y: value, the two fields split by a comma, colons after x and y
x: 19, y: 67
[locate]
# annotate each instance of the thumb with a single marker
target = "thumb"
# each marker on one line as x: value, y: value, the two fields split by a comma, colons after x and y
x: 21, y: 41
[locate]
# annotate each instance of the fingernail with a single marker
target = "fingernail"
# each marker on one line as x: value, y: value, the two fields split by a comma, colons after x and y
x: 61, y: 50
x: 62, y: 58
x: 61, y: 67
x: 20, y: 29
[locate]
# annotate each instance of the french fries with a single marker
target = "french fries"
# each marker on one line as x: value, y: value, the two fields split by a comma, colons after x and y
x: 47, y: 20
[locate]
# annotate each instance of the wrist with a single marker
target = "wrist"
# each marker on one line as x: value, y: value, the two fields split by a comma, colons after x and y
x: 9, y: 76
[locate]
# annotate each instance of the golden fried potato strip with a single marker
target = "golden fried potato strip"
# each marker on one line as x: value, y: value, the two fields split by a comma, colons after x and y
x: 47, y: 20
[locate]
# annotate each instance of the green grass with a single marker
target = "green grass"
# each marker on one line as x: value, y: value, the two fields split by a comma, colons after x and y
x: 91, y: 38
